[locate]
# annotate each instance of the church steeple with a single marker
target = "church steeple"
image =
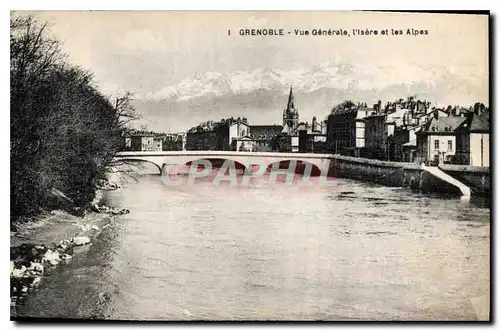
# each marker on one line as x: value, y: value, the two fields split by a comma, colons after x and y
x: 290, y: 113
x: 290, y: 100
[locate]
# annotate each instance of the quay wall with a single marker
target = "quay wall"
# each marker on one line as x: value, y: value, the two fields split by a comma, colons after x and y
x: 396, y: 174
x: 477, y: 178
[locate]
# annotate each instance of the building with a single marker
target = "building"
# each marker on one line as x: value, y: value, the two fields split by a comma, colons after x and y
x: 236, y: 130
x: 390, y: 133
x: 244, y: 144
x: 143, y: 142
x: 202, y: 141
x: 376, y: 136
x: 403, y: 145
x: 265, y: 136
x: 288, y: 139
x: 312, y: 142
x: 346, y: 129
x: 436, y: 142
x: 288, y: 144
x: 135, y: 143
x: 140, y: 140
x: 473, y: 141
x: 318, y: 127
x: 217, y: 135
x: 173, y: 142
x: 312, y: 138
x: 290, y: 116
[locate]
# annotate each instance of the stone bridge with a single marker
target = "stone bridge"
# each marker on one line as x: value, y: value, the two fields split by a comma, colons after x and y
x: 165, y: 158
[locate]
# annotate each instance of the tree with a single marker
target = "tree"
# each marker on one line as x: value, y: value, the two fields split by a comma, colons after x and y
x: 64, y: 132
x: 344, y: 105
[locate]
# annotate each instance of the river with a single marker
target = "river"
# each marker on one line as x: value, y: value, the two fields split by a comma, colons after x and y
x: 348, y: 251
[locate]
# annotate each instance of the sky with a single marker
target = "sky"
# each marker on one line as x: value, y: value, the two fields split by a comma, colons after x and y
x: 146, y: 51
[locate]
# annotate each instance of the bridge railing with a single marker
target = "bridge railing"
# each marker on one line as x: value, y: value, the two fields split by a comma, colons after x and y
x: 223, y: 153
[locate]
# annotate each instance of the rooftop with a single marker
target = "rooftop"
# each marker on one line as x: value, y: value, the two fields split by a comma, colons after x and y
x: 265, y: 130
x: 475, y: 122
x: 443, y: 124
x: 352, y: 109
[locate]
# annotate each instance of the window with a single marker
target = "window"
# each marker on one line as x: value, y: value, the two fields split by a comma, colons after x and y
x: 450, y: 145
x: 436, y: 144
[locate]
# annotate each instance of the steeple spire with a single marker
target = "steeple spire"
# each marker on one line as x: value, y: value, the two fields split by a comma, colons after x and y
x: 290, y: 114
x: 290, y: 100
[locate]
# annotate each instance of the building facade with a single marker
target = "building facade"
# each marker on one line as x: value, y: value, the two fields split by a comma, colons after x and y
x: 203, y: 141
x: 346, y: 130
x: 436, y: 141
x: 473, y: 141
x: 376, y: 136
x: 237, y: 130
x: 217, y: 136
x: 266, y: 137
x: 139, y: 140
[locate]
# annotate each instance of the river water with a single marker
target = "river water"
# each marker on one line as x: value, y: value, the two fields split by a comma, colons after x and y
x: 349, y: 251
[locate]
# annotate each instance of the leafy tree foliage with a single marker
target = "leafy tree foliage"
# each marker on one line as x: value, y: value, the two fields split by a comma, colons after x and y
x: 344, y: 105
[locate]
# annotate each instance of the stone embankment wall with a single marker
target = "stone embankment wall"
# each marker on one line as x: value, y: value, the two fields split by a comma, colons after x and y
x: 477, y: 178
x: 397, y: 174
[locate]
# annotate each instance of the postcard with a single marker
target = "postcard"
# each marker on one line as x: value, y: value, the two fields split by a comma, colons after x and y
x: 250, y: 166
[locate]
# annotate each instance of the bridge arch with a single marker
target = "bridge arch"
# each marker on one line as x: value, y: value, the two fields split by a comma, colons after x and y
x: 160, y: 158
x: 301, y: 166
x: 216, y: 162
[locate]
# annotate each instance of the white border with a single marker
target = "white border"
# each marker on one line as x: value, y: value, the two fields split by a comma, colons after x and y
x: 205, y: 5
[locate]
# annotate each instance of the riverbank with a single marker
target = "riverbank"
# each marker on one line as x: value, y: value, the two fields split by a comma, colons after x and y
x: 54, y: 238
x: 410, y: 175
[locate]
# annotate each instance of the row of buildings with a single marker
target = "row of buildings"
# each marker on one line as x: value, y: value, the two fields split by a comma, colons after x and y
x: 411, y: 131
x: 239, y: 135
x: 142, y: 140
x: 404, y: 130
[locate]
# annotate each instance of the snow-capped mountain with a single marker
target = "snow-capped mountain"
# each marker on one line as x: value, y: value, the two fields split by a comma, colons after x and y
x: 261, y: 94
x: 332, y: 75
x: 216, y: 84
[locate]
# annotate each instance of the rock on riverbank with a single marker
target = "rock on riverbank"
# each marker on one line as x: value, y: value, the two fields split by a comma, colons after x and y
x: 50, y: 240
x: 29, y: 261
x: 110, y: 210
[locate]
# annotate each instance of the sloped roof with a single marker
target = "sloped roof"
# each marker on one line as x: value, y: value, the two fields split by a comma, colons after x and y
x: 375, y: 115
x: 265, y: 130
x: 235, y: 123
x: 443, y: 124
x: 353, y: 109
x: 480, y: 123
x: 476, y: 123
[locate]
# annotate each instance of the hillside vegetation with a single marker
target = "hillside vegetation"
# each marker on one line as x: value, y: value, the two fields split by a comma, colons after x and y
x: 64, y: 132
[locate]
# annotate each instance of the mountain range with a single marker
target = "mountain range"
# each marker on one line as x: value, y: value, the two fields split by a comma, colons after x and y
x: 261, y: 94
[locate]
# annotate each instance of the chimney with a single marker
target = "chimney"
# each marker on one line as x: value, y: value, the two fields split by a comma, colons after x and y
x: 479, y: 108
x: 436, y: 113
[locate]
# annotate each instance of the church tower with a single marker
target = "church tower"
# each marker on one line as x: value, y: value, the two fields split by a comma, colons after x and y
x: 290, y: 115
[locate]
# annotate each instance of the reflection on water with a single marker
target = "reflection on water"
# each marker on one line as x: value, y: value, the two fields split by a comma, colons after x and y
x: 348, y: 251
